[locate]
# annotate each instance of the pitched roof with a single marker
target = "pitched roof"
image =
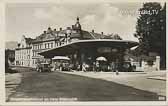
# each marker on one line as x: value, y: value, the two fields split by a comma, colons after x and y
x: 43, y: 36
x: 29, y: 40
x: 97, y: 35
x: 62, y: 31
x: 87, y: 35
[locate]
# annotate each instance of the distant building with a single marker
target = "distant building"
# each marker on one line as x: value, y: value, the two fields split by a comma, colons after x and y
x: 9, y: 56
x: 23, y: 53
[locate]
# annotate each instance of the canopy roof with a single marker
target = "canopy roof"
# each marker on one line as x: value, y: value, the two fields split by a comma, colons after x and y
x: 87, y: 44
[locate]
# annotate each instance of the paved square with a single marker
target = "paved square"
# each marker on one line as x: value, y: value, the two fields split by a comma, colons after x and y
x: 103, y: 87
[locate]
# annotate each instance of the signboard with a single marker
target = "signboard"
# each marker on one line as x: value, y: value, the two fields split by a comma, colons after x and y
x: 107, y: 50
x: 104, y: 50
x: 114, y: 50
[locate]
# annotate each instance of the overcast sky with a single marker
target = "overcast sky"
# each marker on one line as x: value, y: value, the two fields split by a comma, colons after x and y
x: 32, y: 19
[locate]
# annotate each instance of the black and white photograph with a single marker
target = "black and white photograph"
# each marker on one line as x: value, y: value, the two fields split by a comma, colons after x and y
x: 99, y: 51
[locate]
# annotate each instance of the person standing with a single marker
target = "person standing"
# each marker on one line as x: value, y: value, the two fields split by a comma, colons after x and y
x: 61, y: 65
x: 84, y: 67
x: 94, y: 66
x: 97, y: 66
x: 117, y: 67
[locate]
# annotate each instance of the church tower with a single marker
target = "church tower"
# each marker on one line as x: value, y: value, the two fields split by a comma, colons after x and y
x: 77, y: 30
x: 77, y: 25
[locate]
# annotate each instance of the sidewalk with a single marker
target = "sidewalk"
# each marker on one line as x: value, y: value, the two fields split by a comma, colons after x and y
x: 139, y: 80
x: 158, y: 78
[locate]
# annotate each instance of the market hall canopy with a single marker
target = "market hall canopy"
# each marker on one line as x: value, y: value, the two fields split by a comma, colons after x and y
x: 72, y: 47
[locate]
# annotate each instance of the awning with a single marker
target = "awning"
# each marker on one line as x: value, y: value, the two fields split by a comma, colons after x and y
x: 60, y: 58
x: 72, y: 47
x: 101, y: 59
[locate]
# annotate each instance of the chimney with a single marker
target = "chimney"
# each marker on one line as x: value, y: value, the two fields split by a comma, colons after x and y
x: 93, y: 31
x: 72, y: 26
x: 102, y: 33
x: 60, y: 29
x: 49, y: 28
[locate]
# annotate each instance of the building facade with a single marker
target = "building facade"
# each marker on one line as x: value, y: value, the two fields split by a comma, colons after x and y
x: 28, y: 51
x: 23, y: 53
x: 52, y: 38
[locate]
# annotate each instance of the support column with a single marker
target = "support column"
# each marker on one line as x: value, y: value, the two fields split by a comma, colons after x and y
x: 158, y: 63
x: 81, y: 55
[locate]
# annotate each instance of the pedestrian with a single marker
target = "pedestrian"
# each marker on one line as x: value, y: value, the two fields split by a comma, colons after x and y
x: 78, y: 67
x: 97, y: 66
x: 84, y: 67
x: 116, y: 67
x: 94, y: 67
x: 61, y: 65
x: 117, y: 73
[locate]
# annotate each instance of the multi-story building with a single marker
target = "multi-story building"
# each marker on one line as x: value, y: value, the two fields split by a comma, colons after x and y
x: 23, y: 52
x: 54, y: 38
x: 28, y: 49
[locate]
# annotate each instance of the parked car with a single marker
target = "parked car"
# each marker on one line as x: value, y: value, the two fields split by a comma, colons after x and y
x: 66, y: 66
x: 43, y: 67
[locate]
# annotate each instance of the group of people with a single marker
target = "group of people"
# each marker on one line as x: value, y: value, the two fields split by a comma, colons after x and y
x: 98, y: 67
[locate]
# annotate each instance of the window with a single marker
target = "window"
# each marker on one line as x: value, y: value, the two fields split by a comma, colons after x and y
x: 45, y: 45
x: 48, y: 45
x: 55, y: 44
x: 51, y: 45
x: 40, y: 46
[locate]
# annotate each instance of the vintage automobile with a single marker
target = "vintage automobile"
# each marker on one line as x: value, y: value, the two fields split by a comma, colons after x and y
x: 43, y: 67
x: 66, y: 66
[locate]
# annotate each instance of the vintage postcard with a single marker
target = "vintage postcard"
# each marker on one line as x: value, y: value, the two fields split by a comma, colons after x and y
x: 69, y: 52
